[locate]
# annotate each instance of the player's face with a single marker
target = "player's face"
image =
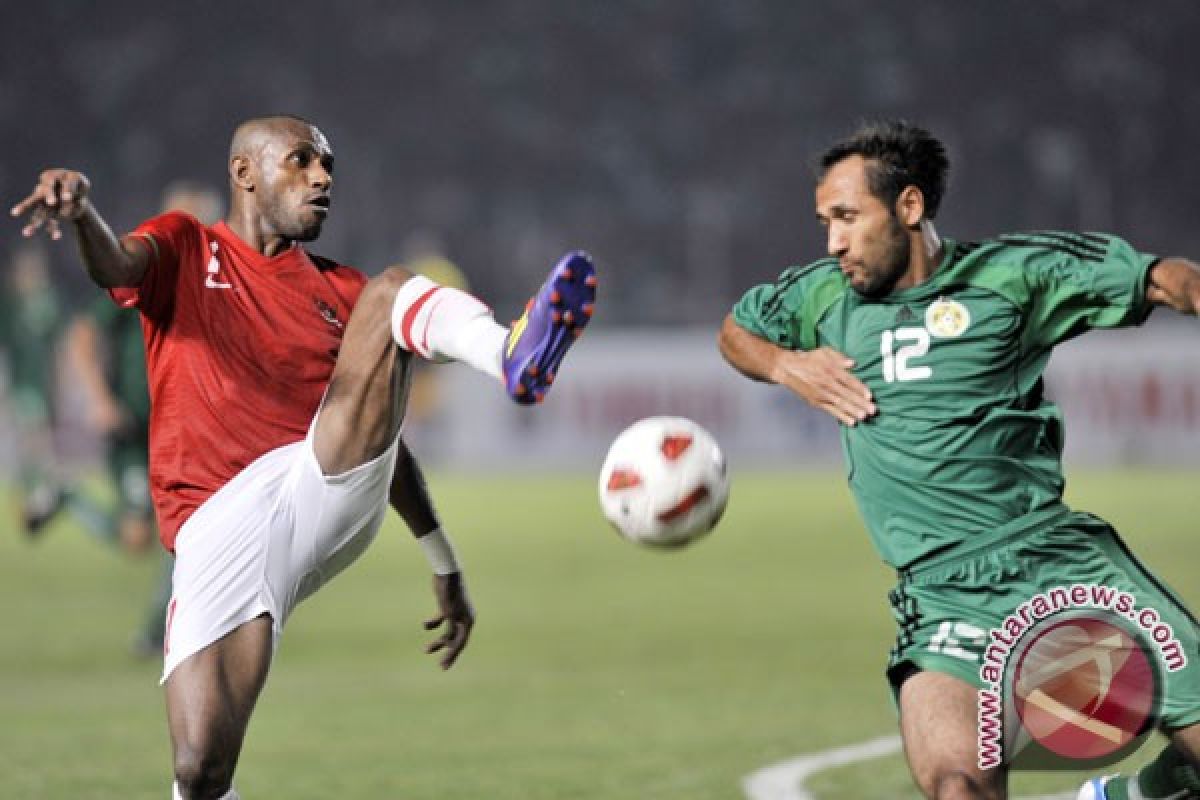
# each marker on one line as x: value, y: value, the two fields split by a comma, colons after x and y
x: 296, y: 175
x: 865, y: 236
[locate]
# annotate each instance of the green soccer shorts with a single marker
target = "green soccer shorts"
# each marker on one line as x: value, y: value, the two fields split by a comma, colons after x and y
x: 945, y: 609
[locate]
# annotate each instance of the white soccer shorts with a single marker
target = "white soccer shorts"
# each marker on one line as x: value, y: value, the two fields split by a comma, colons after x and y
x: 268, y: 539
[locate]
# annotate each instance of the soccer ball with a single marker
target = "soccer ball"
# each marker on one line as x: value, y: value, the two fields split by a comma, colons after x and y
x: 664, y: 482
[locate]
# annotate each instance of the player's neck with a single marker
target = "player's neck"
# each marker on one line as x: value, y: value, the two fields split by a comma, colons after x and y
x: 249, y: 229
x: 925, y: 256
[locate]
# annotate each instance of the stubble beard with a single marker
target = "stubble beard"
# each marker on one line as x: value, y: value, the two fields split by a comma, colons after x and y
x: 894, y: 263
x: 293, y: 227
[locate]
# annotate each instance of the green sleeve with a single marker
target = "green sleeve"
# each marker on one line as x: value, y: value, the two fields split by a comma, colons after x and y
x: 786, y: 312
x: 1084, y: 281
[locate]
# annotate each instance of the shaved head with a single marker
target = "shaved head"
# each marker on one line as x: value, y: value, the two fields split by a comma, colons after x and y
x: 250, y: 135
x: 280, y: 174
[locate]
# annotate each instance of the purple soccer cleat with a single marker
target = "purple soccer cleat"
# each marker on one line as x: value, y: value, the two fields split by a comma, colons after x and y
x: 553, y: 319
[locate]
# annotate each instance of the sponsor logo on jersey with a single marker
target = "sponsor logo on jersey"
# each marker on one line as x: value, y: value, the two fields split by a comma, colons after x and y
x: 947, y: 318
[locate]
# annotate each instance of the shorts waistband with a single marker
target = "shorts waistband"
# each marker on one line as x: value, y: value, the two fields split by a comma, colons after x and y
x: 985, y: 541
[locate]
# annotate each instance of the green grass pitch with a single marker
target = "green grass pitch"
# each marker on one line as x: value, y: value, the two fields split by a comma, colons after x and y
x: 597, y: 669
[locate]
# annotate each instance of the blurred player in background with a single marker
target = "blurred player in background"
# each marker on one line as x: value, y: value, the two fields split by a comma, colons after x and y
x: 422, y: 253
x: 106, y: 352
x: 31, y: 324
x: 929, y: 352
x: 278, y: 382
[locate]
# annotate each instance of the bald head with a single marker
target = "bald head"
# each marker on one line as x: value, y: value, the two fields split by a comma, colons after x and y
x: 280, y: 173
x: 252, y: 135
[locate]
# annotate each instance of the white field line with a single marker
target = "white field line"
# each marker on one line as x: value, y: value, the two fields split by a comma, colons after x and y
x: 785, y: 780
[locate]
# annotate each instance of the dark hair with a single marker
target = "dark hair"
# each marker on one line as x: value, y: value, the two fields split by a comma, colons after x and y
x: 898, y: 154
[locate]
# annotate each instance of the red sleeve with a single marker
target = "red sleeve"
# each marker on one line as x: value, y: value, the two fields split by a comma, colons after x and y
x: 166, y: 237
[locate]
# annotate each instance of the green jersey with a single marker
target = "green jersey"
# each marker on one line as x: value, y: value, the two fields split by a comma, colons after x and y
x: 30, y: 329
x: 121, y: 329
x: 964, y: 444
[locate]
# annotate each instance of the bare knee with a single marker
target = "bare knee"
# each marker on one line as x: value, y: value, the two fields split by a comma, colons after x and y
x: 380, y: 292
x: 954, y: 784
x: 202, y: 772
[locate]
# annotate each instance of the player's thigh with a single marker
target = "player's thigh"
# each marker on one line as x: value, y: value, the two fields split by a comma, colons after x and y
x: 335, y: 518
x: 1164, y: 622
x: 1187, y: 741
x: 364, y: 403
x: 211, y: 693
x: 938, y: 722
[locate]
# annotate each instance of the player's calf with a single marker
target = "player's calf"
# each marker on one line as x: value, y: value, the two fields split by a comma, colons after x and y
x: 440, y: 323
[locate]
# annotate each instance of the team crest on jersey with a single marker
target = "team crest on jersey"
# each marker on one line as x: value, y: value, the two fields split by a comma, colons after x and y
x: 947, y: 318
x: 328, y: 313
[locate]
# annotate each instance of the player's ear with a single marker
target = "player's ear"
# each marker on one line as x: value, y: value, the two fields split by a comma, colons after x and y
x: 910, y: 206
x: 241, y: 172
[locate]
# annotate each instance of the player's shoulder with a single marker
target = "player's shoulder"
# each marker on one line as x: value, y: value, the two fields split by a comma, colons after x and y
x: 822, y: 272
x: 328, y: 266
x: 1037, y: 245
x: 178, y: 231
x: 174, y: 219
x: 814, y: 270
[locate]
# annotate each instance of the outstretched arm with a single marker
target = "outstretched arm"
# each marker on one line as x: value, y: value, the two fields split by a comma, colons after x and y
x: 63, y: 195
x: 821, y: 377
x: 1175, y: 282
x: 410, y: 498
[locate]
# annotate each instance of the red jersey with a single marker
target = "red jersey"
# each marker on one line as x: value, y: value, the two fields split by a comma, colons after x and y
x: 239, y: 350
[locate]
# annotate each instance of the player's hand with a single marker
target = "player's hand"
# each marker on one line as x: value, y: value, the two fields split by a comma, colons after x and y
x: 456, y: 615
x: 108, y: 417
x: 61, y: 194
x: 1175, y: 283
x: 823, y: 378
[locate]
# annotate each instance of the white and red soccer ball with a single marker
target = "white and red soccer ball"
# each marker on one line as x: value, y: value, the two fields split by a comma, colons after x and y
x: 664, y: 482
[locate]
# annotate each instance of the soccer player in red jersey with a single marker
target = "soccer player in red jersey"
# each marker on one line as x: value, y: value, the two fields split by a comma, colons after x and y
x: 278, y: 381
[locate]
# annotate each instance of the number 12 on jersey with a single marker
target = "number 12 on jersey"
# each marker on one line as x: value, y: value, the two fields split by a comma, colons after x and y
x: 913, y: 343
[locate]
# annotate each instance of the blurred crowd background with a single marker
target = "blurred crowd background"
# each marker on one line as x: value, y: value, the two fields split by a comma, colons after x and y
x: 672, y: 139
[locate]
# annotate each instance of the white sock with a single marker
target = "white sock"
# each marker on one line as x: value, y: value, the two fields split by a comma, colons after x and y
x: 439, y: 323
x: 230, y: 795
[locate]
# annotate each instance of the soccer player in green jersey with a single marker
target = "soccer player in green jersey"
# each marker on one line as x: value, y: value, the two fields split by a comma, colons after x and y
x: 929, y: 353
x: 106, y: 350
x: 29, y: 331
